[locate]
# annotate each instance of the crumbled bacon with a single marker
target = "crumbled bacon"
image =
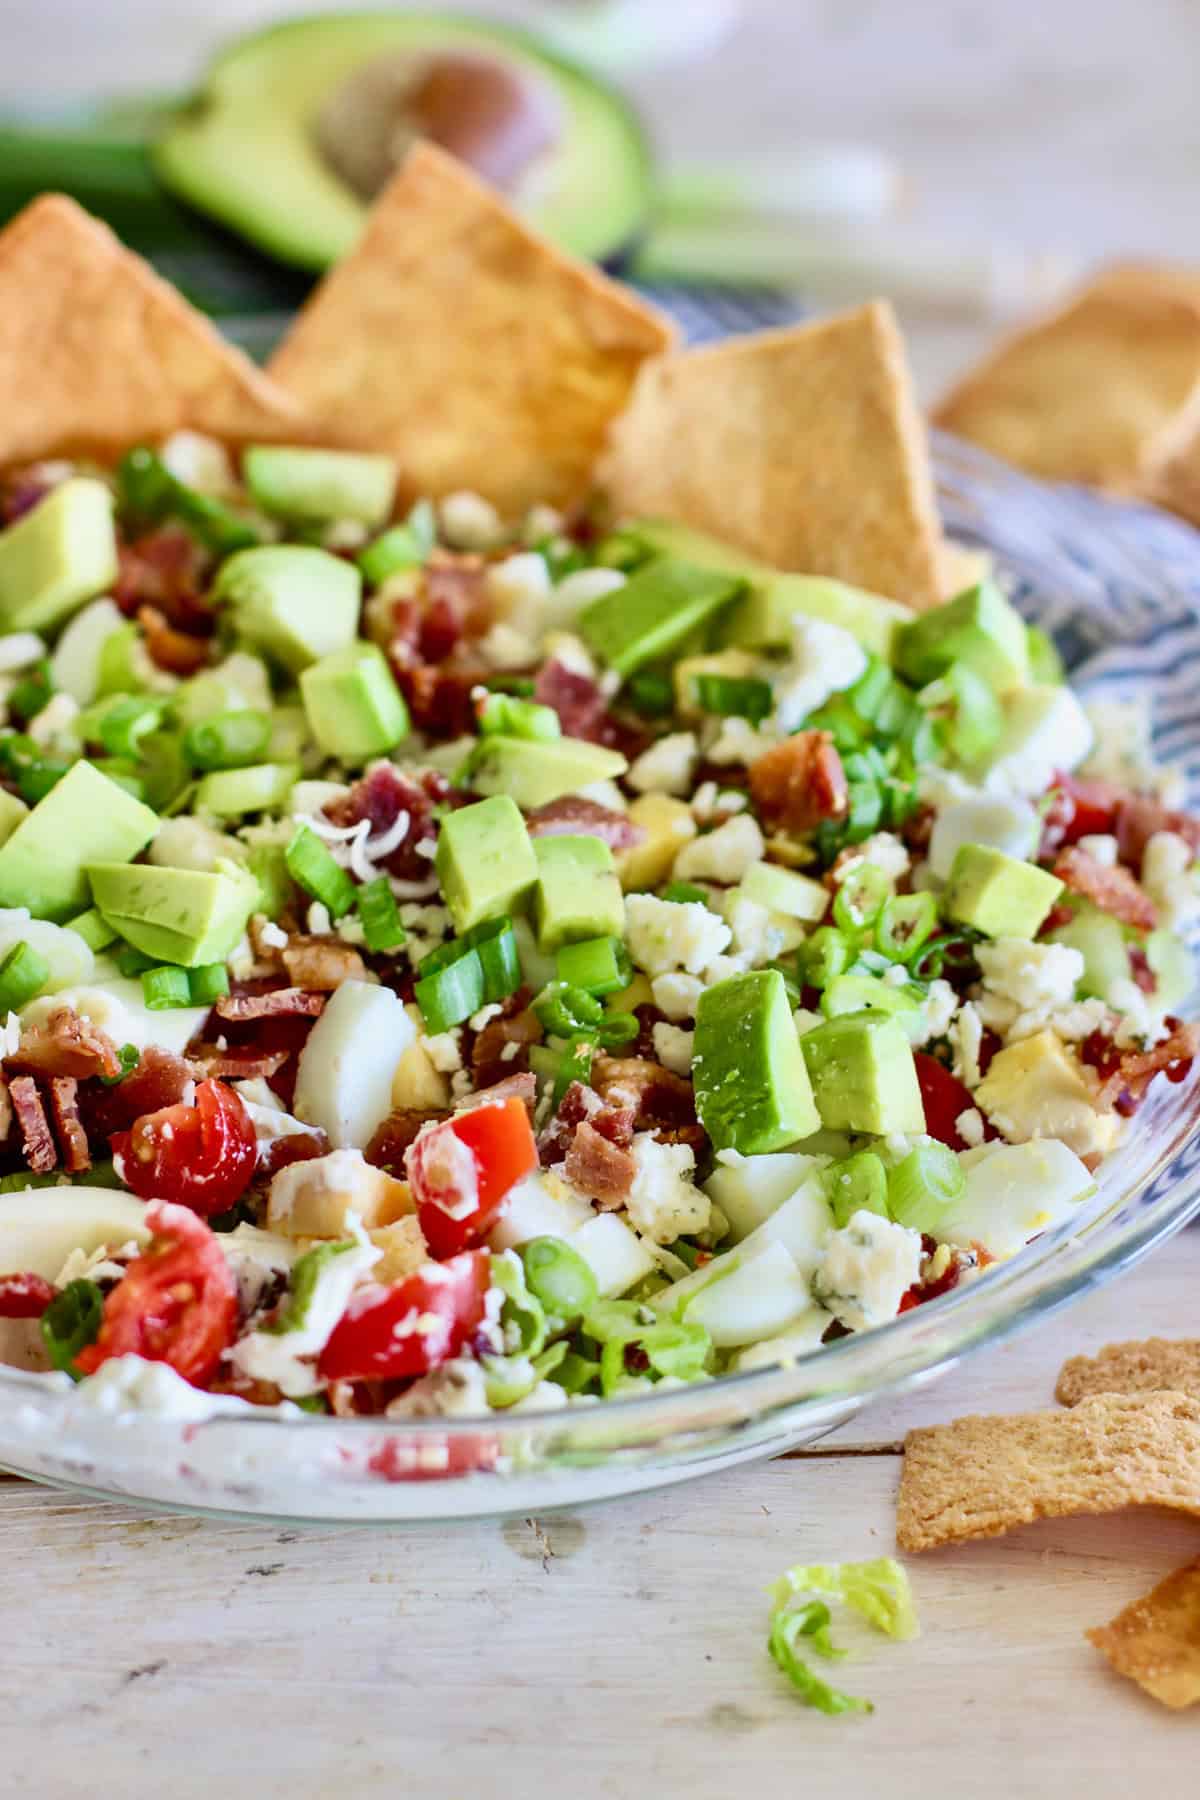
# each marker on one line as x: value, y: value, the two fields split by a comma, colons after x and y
x: 491, y: 1058
x: 72, y: 1138
x: 36, y: 1137
x: 65, y: 1044
x: 580, y: 1104
x: 1125, y: 1074
x: 800, y: 782
x: 240, y: 1064
x: 297, y: 1146
x: 1113, y: 889
x: 320, y: 966
x: 602, y: 1170
x: 521, y: 1086
x: 168, y: 570
x: 380, y: 797
x: 159, y: 1079
x: 179, y: 652
x: 574, y: 814
x: 1139, y: 817
x: 290, y: 1001
x: 25, y: 1296
x: 659, y: 1100
x: 578, y: 700
x: 1142, y: 974
x: 439, y: 696
x: 391, y: 1139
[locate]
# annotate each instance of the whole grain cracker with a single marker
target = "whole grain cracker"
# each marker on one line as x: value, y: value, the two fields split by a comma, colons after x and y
x: 1104, y: 390
x: 97, y: 353
x: 463, y: 343
x: 1155, y: 1641
x: 803, y: 447
x: 1132, y: 1368
x: 982, y: 1476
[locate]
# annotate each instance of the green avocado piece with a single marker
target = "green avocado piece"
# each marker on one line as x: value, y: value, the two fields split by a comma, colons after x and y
x: 578, y: 894
x: 998, y: 894
x: 485, y: 861
x: 187, y: 916
x: 979, y: 628
x: 659, y: 607
x: 863, y: 1074
x: 12, y: 811
x: 228, y: 793
x: 296, y: 603
x: 57, y: 556
x: 354, y: 708
x: 239, y: 684
x: 535, y: 771
x: 752, y: 1089
x: 84, y: 818
x: 246, y: 149
x: 762, y: 618
x: 1101, y: 941
x: 320, y: 485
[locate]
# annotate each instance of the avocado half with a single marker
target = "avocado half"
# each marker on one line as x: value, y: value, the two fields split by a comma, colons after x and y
x: 244, y: 150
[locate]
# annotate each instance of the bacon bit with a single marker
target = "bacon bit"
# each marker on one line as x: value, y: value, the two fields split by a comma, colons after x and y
x: 159, y: 1079
x: 454, y: 584
x: 599, y: 1168
x: 244, y: 1065
x: 392, y: 1138
x: 177, y: 651
x: 578, y: 1105
x: 521, y: 1086
x: 72, y: 1137
x: 519, y: 1026
x: 380, y: 797
x: 298, y: 1146
x: 319, y: 966
x: 1125, y: 1074
x: 439, y: 698
x: 25, y: 1296
x: 290, y: 1001
x: 574, y: 814
x: 659, y: 1100
x: 800, y: 782
x: 166, y: 569
x: 581, y: 706
x: 1114, y: 890
x: 1139, y: 968
x: 36, y: 1137
x: 66, y: 1044
x: 1140, y: 817
x: 920, y: 1291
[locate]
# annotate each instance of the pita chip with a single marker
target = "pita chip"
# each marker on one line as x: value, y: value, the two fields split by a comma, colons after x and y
x: 804, y: 447
x: 97, y: 353
x: 1106, y: 390
x: 1134, y: 1368
x: 457, y: 339
x: 1155, y: 1641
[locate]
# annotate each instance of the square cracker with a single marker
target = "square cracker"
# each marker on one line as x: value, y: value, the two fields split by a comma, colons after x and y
x: 1133, y: 1368
x: 804, y: 447
x: 477, y: 353
x: 97, y: 353
x: 1156, y: 1640
x: 1105, y: 390
x: 981, y: 1476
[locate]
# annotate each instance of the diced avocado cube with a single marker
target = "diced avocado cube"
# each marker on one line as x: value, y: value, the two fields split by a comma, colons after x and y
x: 293, y: 483
x: 863, y: 1074
x: 534, y: 771
x: 485, y: 861
x: 786, y: 891
x: 295, y: 603
x: 354, y: 708
x: 228, y: 793
x: 577, y: 895
x: 997, y: 894
x: 239, y: 684
x: 658, y: 607
x: 752, y: 1089
x: 979, y: 628
x: 187, y: 916
x: 83, y: 819
x: 60, y: 554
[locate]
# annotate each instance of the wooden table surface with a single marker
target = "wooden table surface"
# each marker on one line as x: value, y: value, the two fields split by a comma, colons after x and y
x: 616, y: 1651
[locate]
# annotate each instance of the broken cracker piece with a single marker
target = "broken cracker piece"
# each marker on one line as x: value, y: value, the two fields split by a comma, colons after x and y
x: 97, y: 353
x: 982, y: 1476
x: 803, y: 447
x: 1156, y: 1640
x: 458, y: 340
x: 1134, y: 1368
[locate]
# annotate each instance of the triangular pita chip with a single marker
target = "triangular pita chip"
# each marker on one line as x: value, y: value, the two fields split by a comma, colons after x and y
x: 804, y: 447
x: 97, y: 353
x: 474, y: 351
x: 1105, y: 390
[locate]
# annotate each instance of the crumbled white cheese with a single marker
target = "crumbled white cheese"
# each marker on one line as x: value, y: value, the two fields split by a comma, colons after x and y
x: 884, y: 851
x: 469, y: 522
x: 319, y: 921
x: 519, y: 588
x: 287, y: 1358
x: 664, y: 935
x: 673, y: 1048
x: 825, y: 660
x: 485, y: 1015
x: 724, y: 855
x: 937, y: 1012
x: 677, y: 995
x: 710, y: 802
x: 426, y: 926
x: 756, y: 938
x: 1169, y: 876
x: 969, y: 1126
x: 737, y: 741
x: 1139, y: 1020
x: 444, y: 1050
x: 272, y: 936
x: 966, y: 1037
x: 664, y: 1203
x: 868, y: 1267
x: 1035, y: 977
x: 504, y: 646
x: 666, y: 767
x: 1102, y: 847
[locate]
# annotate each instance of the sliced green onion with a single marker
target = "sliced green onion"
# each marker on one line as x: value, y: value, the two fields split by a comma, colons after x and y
x: 650, y: 693
x: 732, y: 696
x: 148, y: 491
x: 313, y: 868
x: 858, y: 1183
x: 131, y: 962
x: 23, y: 973
x: 70, y: 1323
x: 28, y: 696
x: 166, y: 987
x: 451, y: 993
x: 93, y: 928
x: 860, y: 897
x: 495, y: 943
x: 380, y: 916
x: 953, y: 955
x: 920, y: 1188
x: 680, y: 1351
x: 613, y: 1319
x: 683, y: 893
x: 128, y: 1056
x: 562, y: 1010
x: 904, y: 924
x: 228, y: 740
x: 575, y: 1064
x: 119, y: 724
x: 838, y: 717
x: 36, y: 779
x: 825, y: 955
x: 868, y: 691
x: 577, y: 1374
x: 507, y: 716
x: 598, y: 965
x: 522, y: 1316
x: 401, y: 547
x: 206, y: 983
x: 559, y: 1277
x: 618, y: 1028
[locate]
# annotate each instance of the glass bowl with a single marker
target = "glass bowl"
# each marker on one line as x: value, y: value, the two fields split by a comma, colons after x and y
x: 1119, y: 586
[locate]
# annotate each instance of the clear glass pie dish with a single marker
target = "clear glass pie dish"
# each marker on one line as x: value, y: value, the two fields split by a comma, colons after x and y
x: 1119, y: 586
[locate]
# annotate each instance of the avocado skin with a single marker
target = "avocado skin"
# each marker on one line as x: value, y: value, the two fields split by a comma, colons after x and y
x: 178, y: 156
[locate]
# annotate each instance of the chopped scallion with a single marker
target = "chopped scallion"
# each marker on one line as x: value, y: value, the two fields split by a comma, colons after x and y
x: 380, y: 916
x: 165, y: 988
x: 313, y: 868
x: 23, y: 973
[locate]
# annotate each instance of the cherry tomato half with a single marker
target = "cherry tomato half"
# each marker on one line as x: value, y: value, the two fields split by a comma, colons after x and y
x: 25, y: 1296
x: 200, y: 1156
x: 944, y: 1097
x: 390, y: 1333
x: 462, y: 1170
x: 176, y: 1303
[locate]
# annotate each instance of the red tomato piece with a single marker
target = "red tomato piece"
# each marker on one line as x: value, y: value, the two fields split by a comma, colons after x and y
x: 391, y: 1333
x: 944, y: 1097
x: 25, y: 1296
x: 439, y: 1459
x: 462, y: 1170
x: 1093, y: 806
x: 177, y: 1303
x: 200, y: 1156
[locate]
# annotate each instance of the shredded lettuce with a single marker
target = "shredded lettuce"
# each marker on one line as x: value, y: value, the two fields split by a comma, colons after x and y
x: 800, y: 1620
